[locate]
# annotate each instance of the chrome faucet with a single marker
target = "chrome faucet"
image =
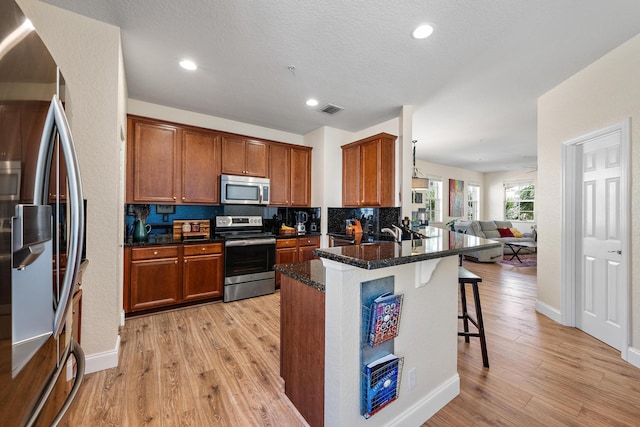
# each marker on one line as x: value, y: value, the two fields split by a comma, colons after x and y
x: 396, y: 232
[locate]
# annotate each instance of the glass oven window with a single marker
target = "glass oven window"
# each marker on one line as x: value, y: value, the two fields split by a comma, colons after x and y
x: 241, y: 260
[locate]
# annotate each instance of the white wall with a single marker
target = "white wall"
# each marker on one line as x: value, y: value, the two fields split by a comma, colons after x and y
x: 444, y: 173
x: 494, y: 195
x: 604, y: 93
x: 327, y: 163
x: 88, y: 53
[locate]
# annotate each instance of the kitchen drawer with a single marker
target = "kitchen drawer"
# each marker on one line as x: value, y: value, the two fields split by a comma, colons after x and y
x: 286, y: 243
x: 203, y: 249
x: 154, y: 252
x: 309, y: 241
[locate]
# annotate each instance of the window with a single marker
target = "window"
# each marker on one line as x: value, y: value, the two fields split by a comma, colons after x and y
x: 433, y: 200
x: 473, y: 202
x: 519, y: 201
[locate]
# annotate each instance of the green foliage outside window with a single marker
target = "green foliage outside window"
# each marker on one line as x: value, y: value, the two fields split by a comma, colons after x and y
x: 519, y: 202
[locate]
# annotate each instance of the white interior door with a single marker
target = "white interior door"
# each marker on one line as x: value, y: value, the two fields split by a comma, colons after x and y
x: 601, y: 278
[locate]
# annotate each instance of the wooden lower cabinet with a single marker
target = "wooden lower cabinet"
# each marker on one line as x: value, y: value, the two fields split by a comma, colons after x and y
x: 155, y: 276
x: 164, y: 276
x: 295, y: 249
x: 203, y: 271
x: 306, y: 246
x: 302, y: 317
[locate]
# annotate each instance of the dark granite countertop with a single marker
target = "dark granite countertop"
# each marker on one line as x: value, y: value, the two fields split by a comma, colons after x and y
x: 293, y: 236
x: 441, y: 243
x: 310, y: 273
x: 164, y: 240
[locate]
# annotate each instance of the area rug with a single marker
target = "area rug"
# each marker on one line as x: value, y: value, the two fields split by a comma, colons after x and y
x: 528, y: 260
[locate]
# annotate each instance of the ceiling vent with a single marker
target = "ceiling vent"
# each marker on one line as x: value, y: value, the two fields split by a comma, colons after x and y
x: 331, y: 109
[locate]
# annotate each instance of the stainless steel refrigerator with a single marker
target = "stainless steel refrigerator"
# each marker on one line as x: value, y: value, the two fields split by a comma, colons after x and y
x: 41, y: 230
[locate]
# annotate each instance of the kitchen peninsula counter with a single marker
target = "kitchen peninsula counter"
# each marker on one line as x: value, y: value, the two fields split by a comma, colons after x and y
x: 321, y: 327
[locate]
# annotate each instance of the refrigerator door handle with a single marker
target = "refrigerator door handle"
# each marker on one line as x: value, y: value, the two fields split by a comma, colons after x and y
x: 56, y: 125
x: 72, y: 349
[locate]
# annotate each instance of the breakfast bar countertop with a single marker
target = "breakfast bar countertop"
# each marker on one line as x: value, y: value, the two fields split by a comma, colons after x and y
x: 440, y: 243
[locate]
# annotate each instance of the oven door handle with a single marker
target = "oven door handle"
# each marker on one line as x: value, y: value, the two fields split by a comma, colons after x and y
x: 250, y: 242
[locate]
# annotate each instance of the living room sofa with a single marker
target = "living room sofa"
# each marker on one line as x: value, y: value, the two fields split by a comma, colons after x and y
x: 501, y: 231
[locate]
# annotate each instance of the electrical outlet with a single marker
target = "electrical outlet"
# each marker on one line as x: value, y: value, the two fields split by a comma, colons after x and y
x: 412, y: 378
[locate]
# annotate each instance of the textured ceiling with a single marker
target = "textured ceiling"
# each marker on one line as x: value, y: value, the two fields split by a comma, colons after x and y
x: 473, y: 84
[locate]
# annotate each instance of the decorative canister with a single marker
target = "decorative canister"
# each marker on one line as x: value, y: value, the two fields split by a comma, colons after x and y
x: 186, y: 227
x: 195, y: 226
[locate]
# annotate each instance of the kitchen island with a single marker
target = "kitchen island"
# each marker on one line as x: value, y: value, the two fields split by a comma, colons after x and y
x: 323, y: 349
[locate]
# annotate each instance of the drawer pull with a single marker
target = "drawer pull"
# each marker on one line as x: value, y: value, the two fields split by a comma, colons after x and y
x: 204, y: 249
x: 155, y: 252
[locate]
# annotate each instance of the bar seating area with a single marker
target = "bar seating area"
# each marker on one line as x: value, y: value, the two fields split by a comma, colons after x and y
x: 466, y: 277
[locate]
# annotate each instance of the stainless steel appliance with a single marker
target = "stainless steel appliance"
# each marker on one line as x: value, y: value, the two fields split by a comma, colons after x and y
x: 10, y: 179
x: 244, y: 190
x: 35, y: 293
x: 249, y: 256
x: 301, y: 219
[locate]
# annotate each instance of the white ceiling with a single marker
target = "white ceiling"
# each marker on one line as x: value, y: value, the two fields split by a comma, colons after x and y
x: 473, y: 84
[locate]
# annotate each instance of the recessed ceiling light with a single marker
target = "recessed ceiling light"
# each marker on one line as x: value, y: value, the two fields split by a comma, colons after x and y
x: 423, y: 31
x: 312, y: 102
x: 188, y: 65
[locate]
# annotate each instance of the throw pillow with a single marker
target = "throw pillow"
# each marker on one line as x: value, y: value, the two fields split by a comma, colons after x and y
x: 505, y: 232
x: 516, y: 232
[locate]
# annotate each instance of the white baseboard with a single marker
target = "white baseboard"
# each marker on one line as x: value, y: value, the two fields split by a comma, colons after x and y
x: 633, y: 356
x: 551, y: 312
x: 104, y: 360
x: 425, y: 408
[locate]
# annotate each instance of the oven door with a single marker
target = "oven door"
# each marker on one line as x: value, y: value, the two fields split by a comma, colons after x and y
x: 248, y: 268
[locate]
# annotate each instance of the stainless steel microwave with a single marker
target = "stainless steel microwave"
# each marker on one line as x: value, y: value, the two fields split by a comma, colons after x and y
x: 10, y: 177
x: 244, y: 190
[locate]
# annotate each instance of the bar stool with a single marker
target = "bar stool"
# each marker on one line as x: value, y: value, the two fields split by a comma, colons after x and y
x: 464, y: 277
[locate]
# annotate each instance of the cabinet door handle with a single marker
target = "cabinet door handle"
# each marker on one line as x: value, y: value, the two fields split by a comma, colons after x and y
x: 184, y: 198
x: 174, y: 197
x: 185, y: 261
x: 176, y: 261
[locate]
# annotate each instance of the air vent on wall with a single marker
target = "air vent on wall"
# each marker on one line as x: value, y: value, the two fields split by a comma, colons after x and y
x: 331, y: 109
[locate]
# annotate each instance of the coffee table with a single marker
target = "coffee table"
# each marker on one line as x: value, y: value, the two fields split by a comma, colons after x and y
x: 516, y: 247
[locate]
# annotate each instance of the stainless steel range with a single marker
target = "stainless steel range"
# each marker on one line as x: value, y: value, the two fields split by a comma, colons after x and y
x: 249, y: 255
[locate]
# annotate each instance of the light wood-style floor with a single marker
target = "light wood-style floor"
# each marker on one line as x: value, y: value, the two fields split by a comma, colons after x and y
x: 218, y: 365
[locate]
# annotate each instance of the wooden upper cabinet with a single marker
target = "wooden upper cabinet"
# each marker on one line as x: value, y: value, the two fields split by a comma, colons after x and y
x: 351, y: 176
x: 153, y: 158
x: 170, y: 164
x: 280, y: 175
x: 368, y: 171
x: 241, y: 156
x: 290, y: 175
x: 300, y: 176
x: 200, y: 167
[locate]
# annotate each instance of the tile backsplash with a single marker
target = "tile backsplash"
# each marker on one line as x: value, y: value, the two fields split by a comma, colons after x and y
x: 371, y: 219
x: 273, y: 217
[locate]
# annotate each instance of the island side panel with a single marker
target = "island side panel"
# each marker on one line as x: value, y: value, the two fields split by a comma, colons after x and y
x: 427, y: 340
x: 302, y: 343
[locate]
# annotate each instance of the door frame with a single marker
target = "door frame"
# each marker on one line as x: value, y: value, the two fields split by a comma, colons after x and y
x: 572, y: 214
